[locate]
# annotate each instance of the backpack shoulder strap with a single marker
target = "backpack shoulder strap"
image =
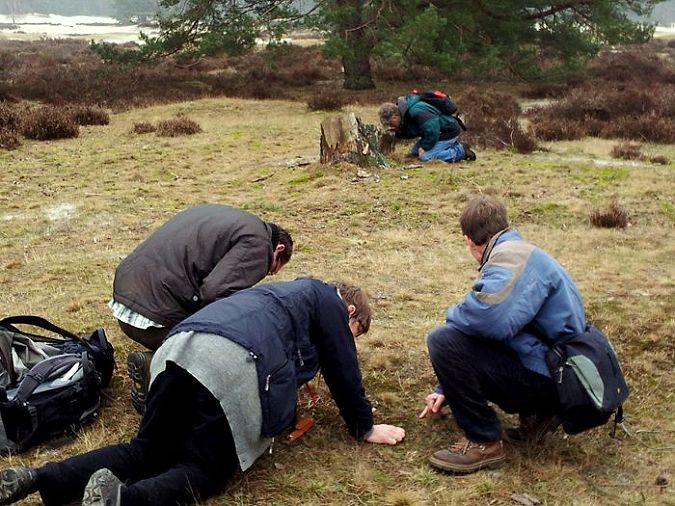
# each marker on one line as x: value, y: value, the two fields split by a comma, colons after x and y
x: 44, y: 371
x: 36, y: 321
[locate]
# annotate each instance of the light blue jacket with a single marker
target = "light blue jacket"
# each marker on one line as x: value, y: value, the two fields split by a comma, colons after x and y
x: 521, y: 293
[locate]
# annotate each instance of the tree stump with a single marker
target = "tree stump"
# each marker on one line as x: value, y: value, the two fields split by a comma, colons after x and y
x: 347, y: 139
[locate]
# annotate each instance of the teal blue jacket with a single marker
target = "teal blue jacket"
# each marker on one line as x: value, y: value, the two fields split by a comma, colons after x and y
x: 419, y: 119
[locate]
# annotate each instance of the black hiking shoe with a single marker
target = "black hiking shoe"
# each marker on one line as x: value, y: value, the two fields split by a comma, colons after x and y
x: 138, y: 368
x: 103, y: 489
x: 469, y: 155
x: 16, y: 483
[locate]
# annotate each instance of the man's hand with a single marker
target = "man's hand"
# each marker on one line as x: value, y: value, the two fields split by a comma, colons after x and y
x: 420, y: 152
x: 434, y: 404
x: 385, y: 434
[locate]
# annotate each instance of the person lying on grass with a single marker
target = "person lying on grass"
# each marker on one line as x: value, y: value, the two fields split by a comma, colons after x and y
x: 224, y: 383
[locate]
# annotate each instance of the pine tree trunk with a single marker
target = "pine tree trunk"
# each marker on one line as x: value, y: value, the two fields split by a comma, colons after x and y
x: 347, y: 139
x: 358, y: 40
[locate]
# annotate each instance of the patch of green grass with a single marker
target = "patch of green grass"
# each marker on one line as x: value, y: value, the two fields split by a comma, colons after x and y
x: 260, y: 205
x: 549, y: 213
x: 601, y: 176
x: 305, y: 178
x: 668, y: 209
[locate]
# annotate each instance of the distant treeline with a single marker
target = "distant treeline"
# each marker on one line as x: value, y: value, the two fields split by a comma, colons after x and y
x: 121, y: 9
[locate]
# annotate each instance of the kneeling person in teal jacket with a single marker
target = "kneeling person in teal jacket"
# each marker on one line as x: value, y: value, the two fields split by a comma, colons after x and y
x: 224, y: 383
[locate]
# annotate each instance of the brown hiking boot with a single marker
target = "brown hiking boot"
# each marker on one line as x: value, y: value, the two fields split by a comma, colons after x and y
x: 138, y: 368
x: 532, y: 430
x: 467, y: 457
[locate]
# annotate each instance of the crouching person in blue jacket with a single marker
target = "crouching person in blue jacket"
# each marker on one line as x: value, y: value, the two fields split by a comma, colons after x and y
x: 224, y: 383
x: 491, y: 347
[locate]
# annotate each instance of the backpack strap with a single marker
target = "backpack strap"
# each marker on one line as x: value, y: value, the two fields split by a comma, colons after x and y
x: 460, y: 122
x: 45, y: 370
x: 618, y: 418
x: 402, y: 106
x: 36, y: 321
x: 6, y: 362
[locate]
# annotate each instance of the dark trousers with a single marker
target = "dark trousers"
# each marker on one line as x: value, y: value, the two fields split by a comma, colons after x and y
x: 151, y: 337
x: 473, y: 370
x: 183, y: 452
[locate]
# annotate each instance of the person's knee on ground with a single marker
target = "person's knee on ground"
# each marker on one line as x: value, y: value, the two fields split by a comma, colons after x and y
x: 138, y: 362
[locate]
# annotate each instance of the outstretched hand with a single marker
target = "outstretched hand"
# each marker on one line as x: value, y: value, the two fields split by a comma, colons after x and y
x: 386, y: 434
x: 434, y: 402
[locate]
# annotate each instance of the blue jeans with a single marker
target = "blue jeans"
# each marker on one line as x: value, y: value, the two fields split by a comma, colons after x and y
x: 450, y: 150
x: 473, y: 370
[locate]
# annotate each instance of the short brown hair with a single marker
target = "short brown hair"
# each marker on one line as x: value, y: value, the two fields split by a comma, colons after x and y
x: 285, y: 239
x: 359, y: 299
x: 482, y: 218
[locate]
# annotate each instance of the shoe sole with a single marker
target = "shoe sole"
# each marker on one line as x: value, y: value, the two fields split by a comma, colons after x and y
x: 492, y: 463
x: 95, y: 491
x: 136, y: 366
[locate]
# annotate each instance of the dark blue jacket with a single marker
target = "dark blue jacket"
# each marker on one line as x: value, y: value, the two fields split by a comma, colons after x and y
x: 291, y: 330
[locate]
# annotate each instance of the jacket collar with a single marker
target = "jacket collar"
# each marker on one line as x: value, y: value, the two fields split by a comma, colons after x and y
x: 499, y: 237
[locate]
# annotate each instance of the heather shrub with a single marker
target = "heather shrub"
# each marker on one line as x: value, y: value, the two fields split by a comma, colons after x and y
x: 627, y: 151
x: 630, y: 95
x: 492, y: 121
x: 9, y: 139
x: 49, y: 122
x: 612, y: 217
x: 326, y: 101
x: 626, y: 64
x: 523, y: 142
x: 647, y: 128
x: 9, y: 117
x: 660, y: 159
x: 557, y: 129
x: 177, y: 126
x: 545, y: 90
x: 90, y: 115
x: 143, y: 127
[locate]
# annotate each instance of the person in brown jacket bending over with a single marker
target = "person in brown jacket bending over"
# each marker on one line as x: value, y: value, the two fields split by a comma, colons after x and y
x: 202, y: 254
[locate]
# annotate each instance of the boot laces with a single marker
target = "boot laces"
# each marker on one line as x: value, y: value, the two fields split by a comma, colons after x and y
x: 464, y: 445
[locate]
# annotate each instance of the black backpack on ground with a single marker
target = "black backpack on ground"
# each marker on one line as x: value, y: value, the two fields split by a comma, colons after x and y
x: 589, y: 381
x: 49, y: 385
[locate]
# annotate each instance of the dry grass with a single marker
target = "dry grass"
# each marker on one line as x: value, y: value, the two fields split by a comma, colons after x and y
x: 71, y: 209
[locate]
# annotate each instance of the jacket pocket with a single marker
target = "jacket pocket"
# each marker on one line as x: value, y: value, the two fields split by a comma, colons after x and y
x: 278, y: 397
